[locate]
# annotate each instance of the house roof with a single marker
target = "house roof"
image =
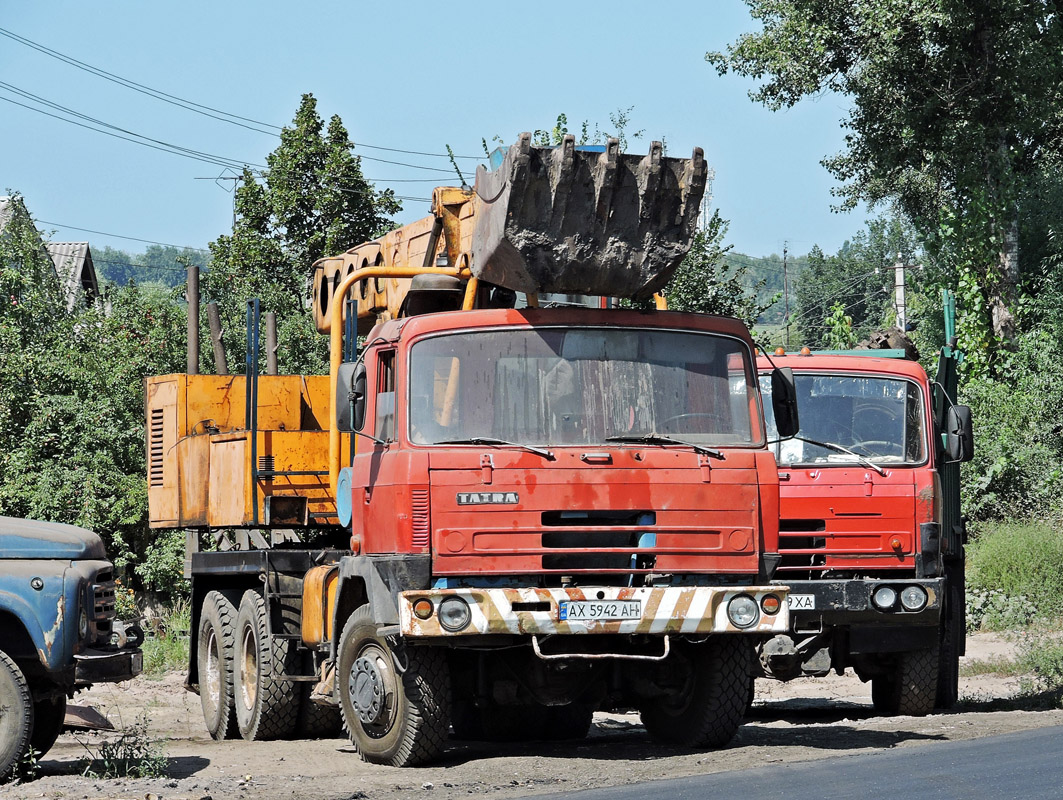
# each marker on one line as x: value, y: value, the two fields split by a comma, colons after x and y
x: 77, y: 273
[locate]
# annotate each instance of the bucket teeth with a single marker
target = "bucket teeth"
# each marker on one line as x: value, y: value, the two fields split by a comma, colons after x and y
x: 585, y: 222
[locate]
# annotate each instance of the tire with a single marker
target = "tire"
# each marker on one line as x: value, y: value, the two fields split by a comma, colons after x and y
x: 911, y: 688
x: 567, y: 722
x: 16, y: 721
x: 953, y: 632
x: 708, y: 708
x: 317, y: 721
x: 399, y: 719
x: 266, y: 707
x: 48, y: 716
x: 215, y: 653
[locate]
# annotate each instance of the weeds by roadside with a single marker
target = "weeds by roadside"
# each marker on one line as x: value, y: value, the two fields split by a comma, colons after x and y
x: 166, y: 645
x: 134, y: 754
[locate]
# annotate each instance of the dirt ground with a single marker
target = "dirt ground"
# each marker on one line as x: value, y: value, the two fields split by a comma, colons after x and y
x: 798, y: 721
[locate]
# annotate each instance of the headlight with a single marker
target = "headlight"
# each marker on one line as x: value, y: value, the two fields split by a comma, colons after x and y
x: 83, y: 625
x: 884, y: 598
x: 913, y: 598
x: 743, y: 611
x: 454, y: 614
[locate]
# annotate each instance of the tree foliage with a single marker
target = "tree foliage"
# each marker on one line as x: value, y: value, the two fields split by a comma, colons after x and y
x: 954, y: 105
x: 71, y: 396
x: 311, y: 201
x: 703, y: 282
x: 158, y: 265
x: 859, y: 277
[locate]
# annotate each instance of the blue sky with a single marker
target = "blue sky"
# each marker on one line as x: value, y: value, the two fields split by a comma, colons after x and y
x: 413, y: 76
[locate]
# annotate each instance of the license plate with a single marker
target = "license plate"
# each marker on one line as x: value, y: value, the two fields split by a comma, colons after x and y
x: 599, y: 609
x: 802, y: 602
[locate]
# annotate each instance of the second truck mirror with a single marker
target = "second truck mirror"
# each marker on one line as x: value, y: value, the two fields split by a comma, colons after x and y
x: 959, y: 436
x: 350, y: 397
x: 784, y: 402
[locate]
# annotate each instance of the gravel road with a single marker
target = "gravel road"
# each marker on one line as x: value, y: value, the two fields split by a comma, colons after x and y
x: 798, y: 721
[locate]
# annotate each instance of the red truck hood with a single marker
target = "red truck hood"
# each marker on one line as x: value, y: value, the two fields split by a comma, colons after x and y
x: 846, y: 518
x: 501, y: 511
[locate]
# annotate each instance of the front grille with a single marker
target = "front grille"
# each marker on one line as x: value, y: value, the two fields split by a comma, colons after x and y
x: 103, y: 601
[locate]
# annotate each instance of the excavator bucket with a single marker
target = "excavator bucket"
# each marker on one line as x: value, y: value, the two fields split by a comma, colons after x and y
x: 580, y: 222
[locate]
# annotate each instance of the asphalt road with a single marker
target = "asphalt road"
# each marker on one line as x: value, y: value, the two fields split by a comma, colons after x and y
x: 1024, y: 766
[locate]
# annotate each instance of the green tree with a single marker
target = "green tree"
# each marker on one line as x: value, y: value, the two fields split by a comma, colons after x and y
x: 860, y: 276
x: 839, y: 329
x: 954, y: 105
x: 705, y: 284
x: 311, y: 201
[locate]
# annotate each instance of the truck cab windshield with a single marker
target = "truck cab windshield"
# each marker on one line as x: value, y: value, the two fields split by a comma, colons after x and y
x: 582, y: 386
x: 878, y: 419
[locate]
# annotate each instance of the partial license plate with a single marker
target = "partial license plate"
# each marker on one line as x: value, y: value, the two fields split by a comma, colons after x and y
x: 599, y: 609
x: 802, y: 602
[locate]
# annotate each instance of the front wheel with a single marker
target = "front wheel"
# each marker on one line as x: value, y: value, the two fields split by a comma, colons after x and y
x: 709, y: 690
x: 396, y: 705
x: 911, y: 688
x: 48, y: 716
x: 16, y: 716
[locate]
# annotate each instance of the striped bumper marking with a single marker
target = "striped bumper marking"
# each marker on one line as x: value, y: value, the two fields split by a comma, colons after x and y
x: 688, y: 610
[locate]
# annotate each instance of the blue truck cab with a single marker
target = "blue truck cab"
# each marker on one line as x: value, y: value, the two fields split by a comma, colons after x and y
x: 57, y: 608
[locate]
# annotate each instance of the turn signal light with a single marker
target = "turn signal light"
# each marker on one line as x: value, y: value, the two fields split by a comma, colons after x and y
x: 422, y: 609
x: 770, y: 603
x: 356, y: 544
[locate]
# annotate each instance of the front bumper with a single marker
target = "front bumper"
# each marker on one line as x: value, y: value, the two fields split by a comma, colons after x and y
x: 848, y: 602
x: 107, y: 666
x: 665, y: 610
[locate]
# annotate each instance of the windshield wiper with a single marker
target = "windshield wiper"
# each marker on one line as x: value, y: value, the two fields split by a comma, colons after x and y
x: 656, y: 438
x: 867, y: 462
x: 539, y: 451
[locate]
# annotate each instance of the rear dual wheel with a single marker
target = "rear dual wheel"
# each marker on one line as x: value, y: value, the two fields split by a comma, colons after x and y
x: 217, y: 626
x: 266, y: 703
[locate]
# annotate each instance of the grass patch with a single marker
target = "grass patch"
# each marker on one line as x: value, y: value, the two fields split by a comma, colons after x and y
x: 166, y: 645
x: 998, y: 665
x: 1017, y: 566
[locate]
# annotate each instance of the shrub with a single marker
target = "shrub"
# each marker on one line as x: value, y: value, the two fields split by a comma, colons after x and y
x: 1020, y: 562
x: 166, y: 647
x: 134, y: 754
x: 1042, y: 655
x: 996, y: 611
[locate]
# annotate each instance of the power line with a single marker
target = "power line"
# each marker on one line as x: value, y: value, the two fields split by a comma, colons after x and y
x: 176, y: 150
x: 138, y: 266
x: 118, y: 236
x: 189, y: 105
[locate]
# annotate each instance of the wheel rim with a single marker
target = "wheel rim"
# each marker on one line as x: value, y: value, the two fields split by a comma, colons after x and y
x: 212, y: 670
x: 248, y: 668
x: 371, y: 687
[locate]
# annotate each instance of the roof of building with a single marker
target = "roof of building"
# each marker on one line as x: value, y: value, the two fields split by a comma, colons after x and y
x: 77, y: 273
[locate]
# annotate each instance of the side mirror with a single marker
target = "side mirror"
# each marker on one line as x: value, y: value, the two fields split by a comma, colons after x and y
x: 959, y: 438
x: 350, y: 397
x: 784, y: 402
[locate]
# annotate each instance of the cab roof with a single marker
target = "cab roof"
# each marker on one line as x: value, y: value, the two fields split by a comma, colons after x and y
x: 576, y: 317
x: 845, y: 362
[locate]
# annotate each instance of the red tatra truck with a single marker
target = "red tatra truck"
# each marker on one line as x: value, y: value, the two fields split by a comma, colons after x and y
x: 489, y: 519
x: 871, y: 538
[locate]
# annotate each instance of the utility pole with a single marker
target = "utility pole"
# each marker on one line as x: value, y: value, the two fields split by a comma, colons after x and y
x: 786, y: 293
x: 235, y: 179
x: 898, y: 294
